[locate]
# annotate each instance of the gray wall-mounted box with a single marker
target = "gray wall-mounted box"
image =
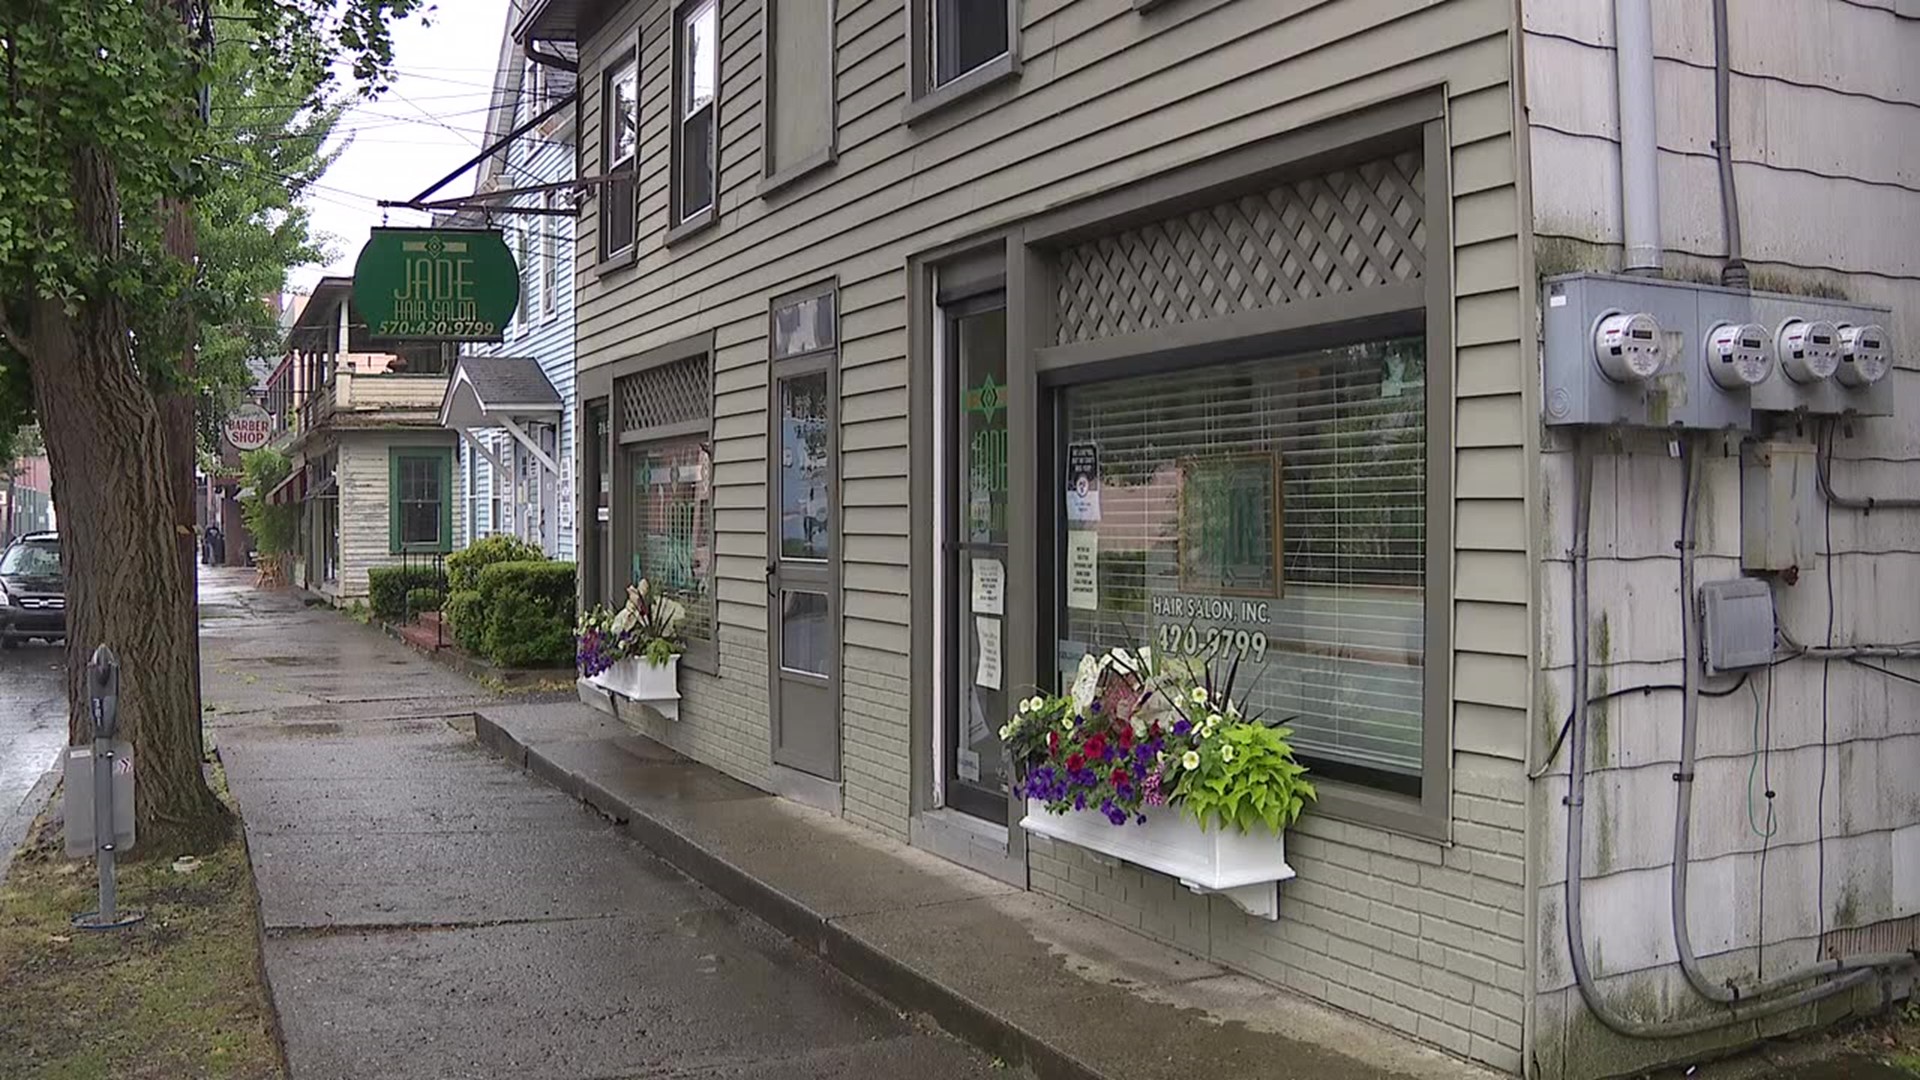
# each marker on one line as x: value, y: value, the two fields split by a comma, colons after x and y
x: 1779, y: 506
x: 1736, y: 619
x: 1681, y: 394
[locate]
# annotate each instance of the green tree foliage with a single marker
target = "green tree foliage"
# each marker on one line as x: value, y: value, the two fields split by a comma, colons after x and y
x: 275, y: 528
x: 140, y: 226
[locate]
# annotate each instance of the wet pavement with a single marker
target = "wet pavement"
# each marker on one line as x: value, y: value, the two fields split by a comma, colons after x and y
x: 431, y: 911
x: 33, y: 729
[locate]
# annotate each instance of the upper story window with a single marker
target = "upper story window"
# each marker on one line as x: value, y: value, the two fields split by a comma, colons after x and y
x: 696, y: 115
x: 620, y: 125
x: 798, y: 125
x: 549, y: 256
x: 967, y: 36
x: 522, y: 241
x: 959, y: 47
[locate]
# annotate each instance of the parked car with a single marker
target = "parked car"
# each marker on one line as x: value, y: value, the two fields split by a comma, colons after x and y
x: 33, y: 591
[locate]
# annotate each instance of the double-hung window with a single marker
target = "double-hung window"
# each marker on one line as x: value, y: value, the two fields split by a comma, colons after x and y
x: 420, y: 492
x: 620, y: 124
x: 696, y: 113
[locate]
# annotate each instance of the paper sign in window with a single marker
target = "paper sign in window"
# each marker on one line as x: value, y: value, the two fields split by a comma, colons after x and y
x: 1083, y: 569
x: 989, y: 587
x: 988, y: 674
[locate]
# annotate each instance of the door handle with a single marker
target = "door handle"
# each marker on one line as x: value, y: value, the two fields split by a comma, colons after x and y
x: 772, y: 569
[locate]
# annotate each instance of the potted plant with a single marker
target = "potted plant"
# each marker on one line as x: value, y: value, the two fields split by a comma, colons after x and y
x: 1154, y: 762
x: 635, y: 652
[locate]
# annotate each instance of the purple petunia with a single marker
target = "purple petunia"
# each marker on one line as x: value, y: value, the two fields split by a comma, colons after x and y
x: 1182, y: 726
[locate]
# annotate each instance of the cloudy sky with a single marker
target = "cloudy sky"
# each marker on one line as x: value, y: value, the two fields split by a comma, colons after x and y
x: 428, y: 122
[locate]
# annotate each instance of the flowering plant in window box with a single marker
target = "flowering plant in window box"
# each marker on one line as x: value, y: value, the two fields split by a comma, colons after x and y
x: 635, y: 652
x: 1153, y: 761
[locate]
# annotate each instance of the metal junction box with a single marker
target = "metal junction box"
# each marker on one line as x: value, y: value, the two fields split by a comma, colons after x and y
x: 1736, y: 618
x: 1779, y: 506
x: 1722, y: 354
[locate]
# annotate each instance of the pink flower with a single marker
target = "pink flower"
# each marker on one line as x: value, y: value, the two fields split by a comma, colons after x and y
x: 1150, y: 790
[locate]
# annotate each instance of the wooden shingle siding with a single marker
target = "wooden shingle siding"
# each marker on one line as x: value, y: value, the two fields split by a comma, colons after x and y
x: 1105, y: 97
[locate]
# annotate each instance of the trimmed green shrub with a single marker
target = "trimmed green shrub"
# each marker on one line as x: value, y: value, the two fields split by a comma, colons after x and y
x: 527, y: 611
x: 464, y: 566
x: 467, y: 616
x: 424, y: 599
x: 388, y: 586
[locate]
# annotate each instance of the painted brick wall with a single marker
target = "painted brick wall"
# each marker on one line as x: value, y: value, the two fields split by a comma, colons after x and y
x: 1421, y: 937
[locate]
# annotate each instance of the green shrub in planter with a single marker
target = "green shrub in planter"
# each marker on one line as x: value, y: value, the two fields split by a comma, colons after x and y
x: 388, y: 586
x: 464, y: 566
x: 467, y: 616
x: 527, y: 611
x: 424, y: 599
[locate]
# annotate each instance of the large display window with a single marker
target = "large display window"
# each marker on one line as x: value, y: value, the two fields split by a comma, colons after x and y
x: 1270, y: 513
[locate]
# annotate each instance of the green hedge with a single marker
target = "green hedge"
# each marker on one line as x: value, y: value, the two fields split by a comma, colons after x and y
x: 525, y: 613
x: 388, y: 586
x: 467, y: 616
x: 425, y: 598
x: 465, y: 566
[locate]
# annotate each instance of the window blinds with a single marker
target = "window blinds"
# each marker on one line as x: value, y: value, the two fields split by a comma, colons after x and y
x: 1333, y: 643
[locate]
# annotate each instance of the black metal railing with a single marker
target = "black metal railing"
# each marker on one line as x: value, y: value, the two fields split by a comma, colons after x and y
x: 430, y: 567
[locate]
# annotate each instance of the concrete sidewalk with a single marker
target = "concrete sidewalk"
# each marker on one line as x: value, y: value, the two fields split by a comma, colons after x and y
x: 1030, y: 979
x: 430, y: 912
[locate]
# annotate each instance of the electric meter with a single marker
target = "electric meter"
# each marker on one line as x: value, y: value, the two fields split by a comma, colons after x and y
x: 1627, y: 346
x: 1809, y: 351
x: 1739, y: 355
x: 1864, y: 356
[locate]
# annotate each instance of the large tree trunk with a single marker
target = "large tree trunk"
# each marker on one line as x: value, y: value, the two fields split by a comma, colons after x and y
x: 116, y: 476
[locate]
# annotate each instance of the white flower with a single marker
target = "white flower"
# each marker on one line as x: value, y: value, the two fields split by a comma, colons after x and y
x: 1214, y: 719
x: 1226, y: 752
x: 1036, y: 703
x: 1006, y: 732
x: 1199, y: 695
x: 1190, y: 759
x: 1086, y: 683
x: 1233, y: 710
x: 1026, y: 706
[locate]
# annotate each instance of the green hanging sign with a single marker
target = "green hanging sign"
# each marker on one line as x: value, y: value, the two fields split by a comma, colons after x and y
x: 436, y: 285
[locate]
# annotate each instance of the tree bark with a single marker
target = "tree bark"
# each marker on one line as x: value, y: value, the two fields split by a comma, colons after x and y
x: 116, y: 474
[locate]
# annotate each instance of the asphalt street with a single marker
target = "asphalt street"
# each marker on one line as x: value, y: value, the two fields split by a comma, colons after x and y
x: 33, y: 728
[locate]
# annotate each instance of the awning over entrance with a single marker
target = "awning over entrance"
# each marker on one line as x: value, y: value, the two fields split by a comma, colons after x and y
x: 291, y: 490
x: 503, y: 392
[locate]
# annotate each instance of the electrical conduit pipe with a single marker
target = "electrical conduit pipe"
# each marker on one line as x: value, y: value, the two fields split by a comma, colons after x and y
x: 1576, y: 823
x: 1639, y: 142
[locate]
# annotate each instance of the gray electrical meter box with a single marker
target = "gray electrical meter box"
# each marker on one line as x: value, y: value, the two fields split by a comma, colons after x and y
x: 1834, y: 358
x: 1736, y: 619
x: 1642, y: 352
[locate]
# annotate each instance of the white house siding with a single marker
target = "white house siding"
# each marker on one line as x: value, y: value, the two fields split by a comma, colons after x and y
x: 1425, y: 937
x: 544, y: 155
x: 364, y: 477
x: 1826, y: 140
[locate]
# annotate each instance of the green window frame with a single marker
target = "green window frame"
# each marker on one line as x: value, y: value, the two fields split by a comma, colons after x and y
x: 442, y: 459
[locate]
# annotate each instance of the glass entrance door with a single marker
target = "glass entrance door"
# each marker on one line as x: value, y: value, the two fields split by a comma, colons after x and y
x: 975, y: 556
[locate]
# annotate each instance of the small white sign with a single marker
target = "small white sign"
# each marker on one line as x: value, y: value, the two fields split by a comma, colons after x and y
x: 989, y: 587
x: 1083, y: 482
x: 988, y: 674
x: 1083, y: 569
x: 967, y: 764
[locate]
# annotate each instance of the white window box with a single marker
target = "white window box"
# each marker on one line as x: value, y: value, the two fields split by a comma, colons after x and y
x: 655, y: 686
x: 1244, y: 867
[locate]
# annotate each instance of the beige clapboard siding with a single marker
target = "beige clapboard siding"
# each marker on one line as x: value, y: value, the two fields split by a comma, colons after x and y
x: 1106, y: 97
x: 873, y: 178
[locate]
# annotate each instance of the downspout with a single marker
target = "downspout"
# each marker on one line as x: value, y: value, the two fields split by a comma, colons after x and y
x: 1719, y: 1017
x: 1639, y: 144
x: 1734, y: 274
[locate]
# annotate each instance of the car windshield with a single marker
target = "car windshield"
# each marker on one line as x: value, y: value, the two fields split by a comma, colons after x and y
x: 36, y: 559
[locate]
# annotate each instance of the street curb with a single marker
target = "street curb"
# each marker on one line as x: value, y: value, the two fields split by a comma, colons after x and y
x: 14, y: 828
x: 901, y: 984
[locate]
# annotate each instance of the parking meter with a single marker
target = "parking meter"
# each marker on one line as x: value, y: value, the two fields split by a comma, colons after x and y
x: 99, y: 786
x: 103, y: 692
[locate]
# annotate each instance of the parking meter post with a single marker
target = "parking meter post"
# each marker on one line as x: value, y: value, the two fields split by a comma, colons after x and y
x: 103, y: 699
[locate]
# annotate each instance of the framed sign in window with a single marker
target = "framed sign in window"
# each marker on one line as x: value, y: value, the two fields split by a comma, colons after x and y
x: 1232, y: 525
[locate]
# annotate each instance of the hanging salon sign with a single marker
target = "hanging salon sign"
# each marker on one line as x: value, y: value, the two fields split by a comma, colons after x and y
x: 436, y: 285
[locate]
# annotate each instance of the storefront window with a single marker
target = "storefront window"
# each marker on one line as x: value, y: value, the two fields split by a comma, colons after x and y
x: 1270, y: 514
x: 673, y: 525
